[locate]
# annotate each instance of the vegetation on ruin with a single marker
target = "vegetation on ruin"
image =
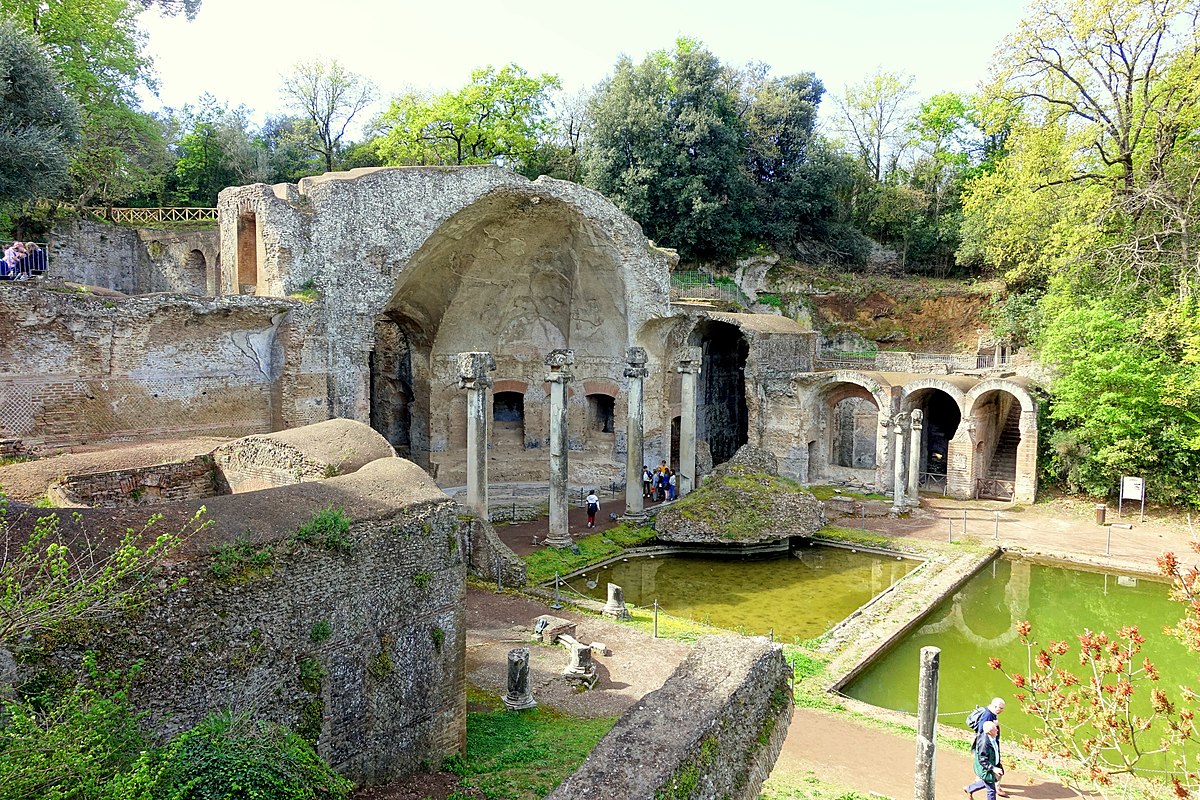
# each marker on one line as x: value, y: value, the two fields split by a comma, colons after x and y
x: 241, y: 560
x: 522, y: 756
x: 542, y: 565
x: 739, y: 504
x: 329, y: 529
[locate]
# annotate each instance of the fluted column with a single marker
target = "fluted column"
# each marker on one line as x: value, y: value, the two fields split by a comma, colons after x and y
x: 558, y: 375
x: 689, y: 368
x: 636, y: 372
x: 473, y: 369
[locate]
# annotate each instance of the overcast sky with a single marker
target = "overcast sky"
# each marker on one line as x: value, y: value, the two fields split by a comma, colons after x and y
x: 238, y: 49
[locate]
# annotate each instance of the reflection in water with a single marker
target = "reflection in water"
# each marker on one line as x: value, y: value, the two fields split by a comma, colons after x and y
x: 977, y: 623
x: 798, y: 596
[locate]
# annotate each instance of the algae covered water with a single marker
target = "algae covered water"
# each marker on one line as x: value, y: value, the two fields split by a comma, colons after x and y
x: 798, y: 596
x: 977, y: 623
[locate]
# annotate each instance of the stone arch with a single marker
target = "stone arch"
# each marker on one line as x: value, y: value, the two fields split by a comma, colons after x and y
x: 722, y: 414
x: 945, y: 438
x: 848, y: 442
x: 1003, y: 419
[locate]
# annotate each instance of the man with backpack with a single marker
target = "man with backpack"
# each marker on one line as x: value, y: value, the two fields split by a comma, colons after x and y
x: 976, y: 721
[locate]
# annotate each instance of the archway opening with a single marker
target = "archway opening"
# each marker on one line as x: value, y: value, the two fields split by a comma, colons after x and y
x: 392, y: 387
x: 601, y: 413
x: 941, y: 418
x: 997, y: 418
x: 853, y: 433
x: 195, y: 268
x: 723, y: 418
x: 508, y: 420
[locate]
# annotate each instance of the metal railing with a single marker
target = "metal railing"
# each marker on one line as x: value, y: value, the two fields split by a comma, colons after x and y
x: 932, y: 482
x: 702, y: 286
x: 153, y: 215
x: 32, y: 265
x: 993, y: 489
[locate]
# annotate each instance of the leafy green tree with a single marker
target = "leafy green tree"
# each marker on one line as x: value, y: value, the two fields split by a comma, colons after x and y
x: 328, y: 97
x: 874, y: 118
x: 669, y: 148
x: 287, y: 159
x: 216, y: 151
x: 500, y: 116
x: 39, y: 124
x: 123, y: 154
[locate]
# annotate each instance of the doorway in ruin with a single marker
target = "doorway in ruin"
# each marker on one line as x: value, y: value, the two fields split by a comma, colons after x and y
x: 508, y: 420
x: 940, y: 423
x: 722, y: 418
x: 674, y: 457
x: 248, y: 238
x: 392, y: 392
x: 996, y: 415
x: 601, y: 413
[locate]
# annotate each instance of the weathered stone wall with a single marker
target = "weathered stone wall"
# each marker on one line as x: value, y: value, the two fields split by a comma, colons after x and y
x: 309, y: 453
x: 77, y: 369
x: 713, y: 731
x: 135, y: 260
x: 193, y: 479
x: 382, y: 693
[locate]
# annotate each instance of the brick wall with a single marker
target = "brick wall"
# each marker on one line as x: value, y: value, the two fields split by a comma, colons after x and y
x: 162, y: 483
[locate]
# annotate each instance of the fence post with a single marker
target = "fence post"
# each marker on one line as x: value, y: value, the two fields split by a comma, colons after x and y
x: 656, y: 618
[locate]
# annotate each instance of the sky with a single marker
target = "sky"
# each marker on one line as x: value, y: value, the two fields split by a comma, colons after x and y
x: 237, y: 50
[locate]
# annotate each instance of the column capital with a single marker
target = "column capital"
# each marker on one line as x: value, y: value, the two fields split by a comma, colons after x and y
x: 473, y: 369
x: 558, y: 364
x: 689, y: 359
x: 636, y: 363
x: 916, y: 417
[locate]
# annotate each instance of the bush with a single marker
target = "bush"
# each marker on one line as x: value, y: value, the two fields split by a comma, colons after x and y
x: 329, y: 529
x: 233, y: 756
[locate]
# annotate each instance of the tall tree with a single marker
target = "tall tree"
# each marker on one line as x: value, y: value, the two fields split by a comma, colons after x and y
x: 875, y: 117
x: 669, y: 147
x: 39, y: 124
x: 214, y: 151
x: 500, y: 116
x: 328, y: 97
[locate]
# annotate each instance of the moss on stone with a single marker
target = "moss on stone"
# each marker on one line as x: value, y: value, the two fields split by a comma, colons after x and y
x: 740, y: 506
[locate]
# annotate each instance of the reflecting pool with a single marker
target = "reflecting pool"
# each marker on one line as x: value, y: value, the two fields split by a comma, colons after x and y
x: 977, y: 623
x: 799, y: 596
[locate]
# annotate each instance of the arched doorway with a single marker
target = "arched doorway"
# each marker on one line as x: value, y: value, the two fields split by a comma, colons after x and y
x: 940, y: 422
x: 392, y: 390
x: 849, y: 437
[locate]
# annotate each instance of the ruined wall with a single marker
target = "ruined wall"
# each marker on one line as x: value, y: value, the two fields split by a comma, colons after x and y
x: 135, y: 260
x: 80, y: 369
x: 713, y: 731
x: 193, y: 479
x: 381, y: 693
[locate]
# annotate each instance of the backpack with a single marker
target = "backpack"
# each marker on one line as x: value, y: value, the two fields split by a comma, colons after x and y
x: 973, y: 718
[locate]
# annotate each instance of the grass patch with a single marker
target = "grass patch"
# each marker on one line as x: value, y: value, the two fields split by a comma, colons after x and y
x: 523, y: 756
x: 806, y: 786
x: 827, y: 492
x: 308, y: 292
x: 837, y: 533
x: 809, y: 669
x: 329, y: 529
x: 542, y: 565
x: 740, y: 505
x: 7, y: 460
x: 678, y: 628
x: 242, y: 561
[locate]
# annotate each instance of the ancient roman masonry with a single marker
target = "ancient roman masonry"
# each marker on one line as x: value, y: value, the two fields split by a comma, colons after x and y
x: 412, y: 267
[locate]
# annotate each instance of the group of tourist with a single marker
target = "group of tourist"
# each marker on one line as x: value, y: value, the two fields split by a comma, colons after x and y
x: 659, y: 484
x: 22, y: 260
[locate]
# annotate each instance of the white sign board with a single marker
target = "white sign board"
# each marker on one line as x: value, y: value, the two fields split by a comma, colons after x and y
x: 1133, y: 488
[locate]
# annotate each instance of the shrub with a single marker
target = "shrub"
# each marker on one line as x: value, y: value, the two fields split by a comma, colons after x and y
x: 242, y: 560
x: 231, y: 755
x: 328, y: 529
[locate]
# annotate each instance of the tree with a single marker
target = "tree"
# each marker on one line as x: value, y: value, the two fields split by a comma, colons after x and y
x: 500, y: 116
x: 328, y: 97
x: 875, y: 118
x: 287, y: 159
x: 215, y: 151
x: 39, y: 124
x: 669, y: 147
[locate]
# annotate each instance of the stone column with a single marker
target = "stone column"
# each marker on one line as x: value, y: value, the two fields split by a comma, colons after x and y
x: 689, y: 368
x: 558, y: 375
x: 898, y: 504
x: 635, y: 371
x: 519, y: 697
x: 914, y: 458
x: 927, y: 705
x: 473, y: 369
x: 615, y: 607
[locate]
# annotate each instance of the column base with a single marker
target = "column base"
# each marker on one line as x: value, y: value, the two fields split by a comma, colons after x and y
x: 636, y: 517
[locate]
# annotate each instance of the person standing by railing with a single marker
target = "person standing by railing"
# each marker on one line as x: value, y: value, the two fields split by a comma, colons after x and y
x: 10, y: 269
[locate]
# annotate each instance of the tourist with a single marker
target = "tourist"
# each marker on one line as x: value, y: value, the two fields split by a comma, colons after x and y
x: 12, y: 260
x: 593, y: 505
x: 664, y: 485
x: 671, y: 483
x: 34, y: 262
x: 986, y: 761
x: 647, y: 479
x: 991, y: 713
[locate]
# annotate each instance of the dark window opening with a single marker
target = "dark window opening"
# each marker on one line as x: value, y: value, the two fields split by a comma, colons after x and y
x: 601, y: 412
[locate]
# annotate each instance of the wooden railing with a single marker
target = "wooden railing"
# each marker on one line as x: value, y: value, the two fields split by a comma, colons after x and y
x: 137, y: 216
x: 994, y: 489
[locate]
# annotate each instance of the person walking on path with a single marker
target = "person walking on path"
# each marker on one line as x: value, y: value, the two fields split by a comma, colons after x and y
x: 991, y: 713
x: 987, y: 761
x: 593, y: 505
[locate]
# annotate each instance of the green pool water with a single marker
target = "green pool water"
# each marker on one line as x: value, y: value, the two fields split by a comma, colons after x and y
x: 798, y: 596
x: 977, y: 623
